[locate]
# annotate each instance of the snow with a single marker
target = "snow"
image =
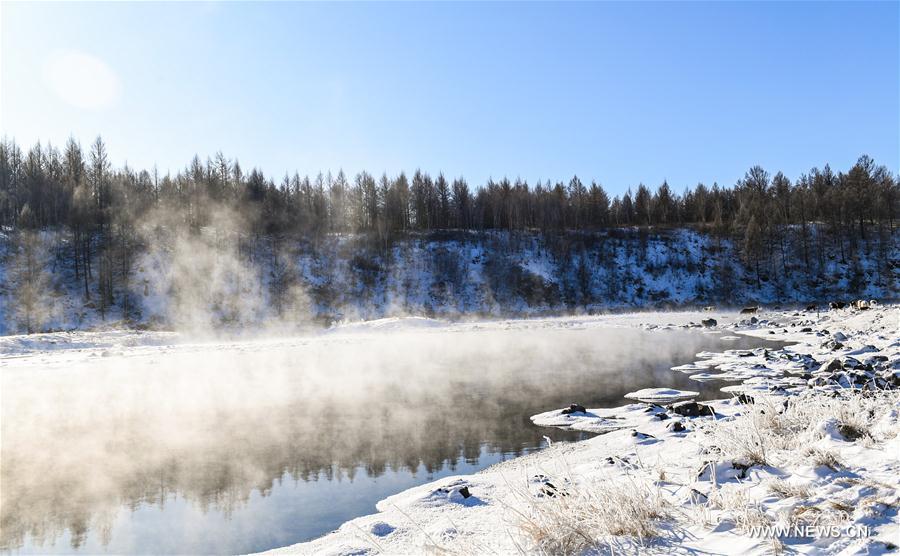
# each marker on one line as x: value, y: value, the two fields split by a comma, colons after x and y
x: 699, y: 484
x: 661, y: 395
x: 457, y: 276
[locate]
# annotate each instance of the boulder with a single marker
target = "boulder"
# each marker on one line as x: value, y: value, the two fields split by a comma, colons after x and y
x: 833, y: 345
x: 837, y: 304
x: 691, y: 409
x: 749, y: 310
x: 853, y: 363
x: 831, y: 366
x: 574, y: 408
x: 676, y: 426
x: 709, y: 323
x: 812, y: 307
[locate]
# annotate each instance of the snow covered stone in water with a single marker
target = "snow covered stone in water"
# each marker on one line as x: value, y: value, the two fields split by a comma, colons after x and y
x: 709, y: 323
x: 661, y: 395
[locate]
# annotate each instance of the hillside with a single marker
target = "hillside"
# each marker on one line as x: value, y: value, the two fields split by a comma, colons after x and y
x: 207, y: 281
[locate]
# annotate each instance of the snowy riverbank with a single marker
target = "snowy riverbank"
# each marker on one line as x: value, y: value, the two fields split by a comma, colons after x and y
x: 807, y: 438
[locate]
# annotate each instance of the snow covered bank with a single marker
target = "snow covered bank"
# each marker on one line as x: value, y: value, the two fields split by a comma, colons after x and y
x: 807, y: 438
x: 454, y: 275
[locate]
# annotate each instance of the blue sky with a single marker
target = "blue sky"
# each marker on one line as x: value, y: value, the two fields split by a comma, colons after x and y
x: 621, y: 93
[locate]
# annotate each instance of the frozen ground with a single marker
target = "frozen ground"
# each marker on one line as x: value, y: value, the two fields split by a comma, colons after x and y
x: 806, y: 438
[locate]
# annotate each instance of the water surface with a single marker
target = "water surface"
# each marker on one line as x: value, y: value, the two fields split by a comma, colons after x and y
x: 235, y: 448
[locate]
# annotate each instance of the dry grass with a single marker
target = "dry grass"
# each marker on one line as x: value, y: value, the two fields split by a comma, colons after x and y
x: 785, y: 489
x: 774, y: 430
x: 735, y: 500
x: 594, y: 514
x: 824, y: 458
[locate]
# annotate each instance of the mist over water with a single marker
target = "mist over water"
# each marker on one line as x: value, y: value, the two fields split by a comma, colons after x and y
x: 244, y: 446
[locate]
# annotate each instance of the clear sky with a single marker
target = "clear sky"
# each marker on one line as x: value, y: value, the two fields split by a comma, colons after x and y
x: 621, y: 93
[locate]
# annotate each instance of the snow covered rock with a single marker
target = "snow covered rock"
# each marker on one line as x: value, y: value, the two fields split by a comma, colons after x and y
x: 661, y: 395
x: 691, y: 409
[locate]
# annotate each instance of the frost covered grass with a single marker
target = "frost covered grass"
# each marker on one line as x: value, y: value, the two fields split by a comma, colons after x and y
x: 785, y: 489
x: 591, y: 514
x: 777, y: 431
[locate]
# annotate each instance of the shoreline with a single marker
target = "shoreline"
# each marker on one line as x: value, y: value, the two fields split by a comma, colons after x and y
x: 700, y: 500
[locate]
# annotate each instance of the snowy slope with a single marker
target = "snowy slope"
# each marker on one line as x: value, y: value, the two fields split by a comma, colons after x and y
x: 194, y: 286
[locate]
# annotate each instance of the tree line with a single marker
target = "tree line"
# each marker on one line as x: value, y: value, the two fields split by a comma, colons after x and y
x: 823, y: 213
x: 46, y: 187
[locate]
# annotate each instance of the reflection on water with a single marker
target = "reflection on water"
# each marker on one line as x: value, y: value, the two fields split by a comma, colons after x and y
x: 244, y: 447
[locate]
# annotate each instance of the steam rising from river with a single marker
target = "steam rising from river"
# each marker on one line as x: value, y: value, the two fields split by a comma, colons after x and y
x: 84, y: 432
x: 220, y: 276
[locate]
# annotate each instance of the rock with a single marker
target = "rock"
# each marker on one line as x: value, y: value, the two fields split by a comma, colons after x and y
x: 749, y: 310
x: 709, y: 323
x: 691, y: 409
x: 676, y: 426
x: 641, y: 435
x: 754, y: 320
x: 860, y: 305
x: 806, y: 329
x: 831, y: 366
x: 853, y: 363
x: 662, y: 416
x: 574, y: 408
x: 709, y: 309
x: 833, y: 345
x: 465, y: 492
x: 837, y: 304
x: 745, y: 399
x: 742, y: 468
x: 812, y: 307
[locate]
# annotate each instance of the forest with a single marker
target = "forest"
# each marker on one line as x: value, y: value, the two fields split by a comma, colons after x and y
x: 103, y: 217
